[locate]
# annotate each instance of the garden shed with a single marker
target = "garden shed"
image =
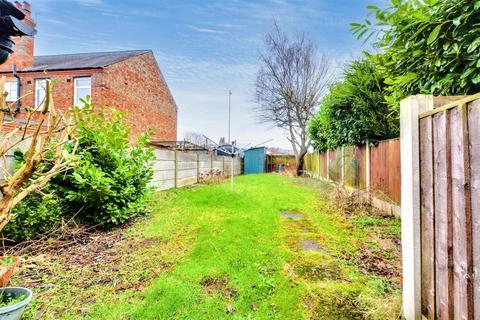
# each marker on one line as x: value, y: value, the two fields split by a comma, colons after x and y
x: 255, y: 160
x: 265, y: 160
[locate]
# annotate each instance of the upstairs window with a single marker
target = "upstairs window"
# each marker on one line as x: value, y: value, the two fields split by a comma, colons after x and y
x: 11, y: 88
x: 40, y: 92
x: 83, y: 88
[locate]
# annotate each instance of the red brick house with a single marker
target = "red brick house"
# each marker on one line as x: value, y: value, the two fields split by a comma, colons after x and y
x: 129, y: 81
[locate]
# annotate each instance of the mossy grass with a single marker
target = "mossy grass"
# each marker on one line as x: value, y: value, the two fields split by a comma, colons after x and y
x: 207, y: 253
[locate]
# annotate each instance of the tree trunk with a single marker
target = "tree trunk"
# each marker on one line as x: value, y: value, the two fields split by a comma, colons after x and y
x: 300, y: 163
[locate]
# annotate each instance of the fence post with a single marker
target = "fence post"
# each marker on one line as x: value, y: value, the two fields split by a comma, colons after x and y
x: 198, y: 167
x: 368, y: 167
x: 328, y: 165
x: 318, y: 165
x: 410, y: 108
x: 176, y: 169
x: 343, y: 165
x: 223, y: 166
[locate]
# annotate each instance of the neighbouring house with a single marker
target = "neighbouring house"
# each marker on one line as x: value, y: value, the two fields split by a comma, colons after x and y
x: 130, y: 81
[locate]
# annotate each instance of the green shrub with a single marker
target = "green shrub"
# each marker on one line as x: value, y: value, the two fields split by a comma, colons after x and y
x: 106, y: 186
x: 429, y: 46
x: 35, y: 215
x: 355, y: 111
x: 109, y: 184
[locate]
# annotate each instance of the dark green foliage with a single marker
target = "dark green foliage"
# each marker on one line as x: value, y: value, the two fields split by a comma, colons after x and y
x: 429, y: 47
x: 34, y: 215
x: 109, y: 184
x: 355, y: 110
x: 106, y: 186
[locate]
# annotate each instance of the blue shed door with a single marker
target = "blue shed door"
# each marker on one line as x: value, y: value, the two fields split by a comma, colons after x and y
x: 254, y: 161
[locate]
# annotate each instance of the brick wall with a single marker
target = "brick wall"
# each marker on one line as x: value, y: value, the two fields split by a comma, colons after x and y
x: 137, y: 86
x: 63, y: 91
x: 24, y: 46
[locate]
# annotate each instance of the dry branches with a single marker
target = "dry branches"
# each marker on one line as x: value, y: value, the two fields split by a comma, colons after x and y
x: 44, y: 133
x: 289, y: 86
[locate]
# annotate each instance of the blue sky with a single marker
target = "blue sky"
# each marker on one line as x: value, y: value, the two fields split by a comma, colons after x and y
x: 204, y: 48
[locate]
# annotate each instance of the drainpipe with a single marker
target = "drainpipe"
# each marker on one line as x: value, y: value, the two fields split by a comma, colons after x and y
x: 19, y: 85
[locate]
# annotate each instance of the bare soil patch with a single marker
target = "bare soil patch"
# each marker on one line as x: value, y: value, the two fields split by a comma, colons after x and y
x: 77, y: 266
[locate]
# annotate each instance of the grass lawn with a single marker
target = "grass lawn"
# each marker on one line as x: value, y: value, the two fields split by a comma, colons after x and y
x: 206, y: 253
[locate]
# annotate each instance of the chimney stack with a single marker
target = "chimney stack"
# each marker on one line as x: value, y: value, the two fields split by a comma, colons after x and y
x: 23, y: 55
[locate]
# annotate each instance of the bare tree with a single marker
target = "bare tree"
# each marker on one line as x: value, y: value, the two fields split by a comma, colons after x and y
x: 196, y: 138
x: 290, y: 83
x: 45, y: 135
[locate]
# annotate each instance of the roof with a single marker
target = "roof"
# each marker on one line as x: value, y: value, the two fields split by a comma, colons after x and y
x: 177, y: 145
x: 255, y: 148
x: 96, y: 60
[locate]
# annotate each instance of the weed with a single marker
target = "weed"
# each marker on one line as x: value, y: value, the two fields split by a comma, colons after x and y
x: 211, y: 254
x: 319, y: 267
x: 337, y: 302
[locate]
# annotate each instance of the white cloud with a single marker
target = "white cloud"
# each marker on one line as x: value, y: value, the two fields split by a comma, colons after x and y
x: 90, y: 2
x: 207, y: 30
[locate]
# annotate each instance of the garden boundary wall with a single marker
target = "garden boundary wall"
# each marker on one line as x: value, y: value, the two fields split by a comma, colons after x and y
x: 172, y: 169
x: 175, y: 169
x: 374, y: 169
x: 7, y: 163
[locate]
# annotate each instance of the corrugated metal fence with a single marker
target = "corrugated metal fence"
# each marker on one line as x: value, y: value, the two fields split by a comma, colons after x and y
x: 376, y: 168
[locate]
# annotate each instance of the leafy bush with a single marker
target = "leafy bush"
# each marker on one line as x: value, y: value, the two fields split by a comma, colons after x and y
x: 429, y: 47
x: 109, y: 184
x: 355, y: 111
x: 34, y: 215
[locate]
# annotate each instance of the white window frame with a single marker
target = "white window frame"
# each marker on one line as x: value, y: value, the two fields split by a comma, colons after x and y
x: 38, y: 82
x: 12, y: 88
x: 76, y: 87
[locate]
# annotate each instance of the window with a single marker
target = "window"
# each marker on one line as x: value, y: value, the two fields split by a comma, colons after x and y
x: 40, y: 92
x: 11, y: 88
x: 83, y: 88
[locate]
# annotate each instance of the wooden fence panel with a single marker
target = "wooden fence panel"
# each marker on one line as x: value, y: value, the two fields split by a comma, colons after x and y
x: 323, y: 165
x: 335, y: 166
x: 314, y: 165
x: 462, y: 218
x: 355, y: 166
x: 385, y: 169
x: 474, y: 144
x: 427, y: 219
x: 443, y: 216
x: 450, y: 211
x: 307, y: 164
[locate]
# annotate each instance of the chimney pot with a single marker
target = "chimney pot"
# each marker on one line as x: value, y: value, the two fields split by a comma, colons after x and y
x: 26, y: 6
x: 18, y: 5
